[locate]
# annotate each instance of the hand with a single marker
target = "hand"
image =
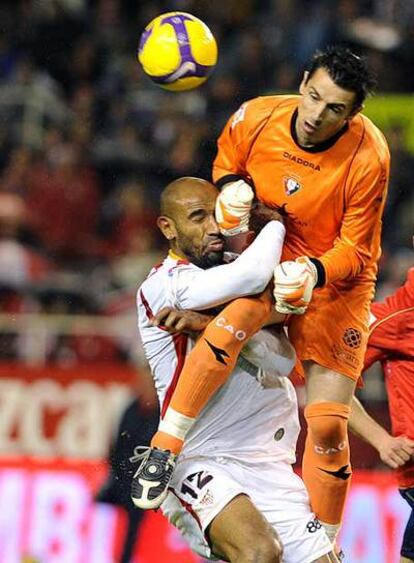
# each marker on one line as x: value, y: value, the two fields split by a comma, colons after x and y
x: 293, y: 285
x: 233, y: 207
x: 236, y: 244
x: 173, y: 320
x: 261, y: 214
x: 395, y: 451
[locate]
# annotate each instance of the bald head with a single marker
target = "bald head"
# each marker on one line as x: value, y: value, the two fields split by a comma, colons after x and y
x: 179, y: 193
x: 187, y: 221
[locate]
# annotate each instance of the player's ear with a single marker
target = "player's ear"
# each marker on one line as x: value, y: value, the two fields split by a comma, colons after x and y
x: 303, y: 83
x: 167, y: 227
x: 354, y: 111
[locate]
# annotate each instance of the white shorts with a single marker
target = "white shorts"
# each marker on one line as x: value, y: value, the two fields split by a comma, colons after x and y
x: 202, y: 487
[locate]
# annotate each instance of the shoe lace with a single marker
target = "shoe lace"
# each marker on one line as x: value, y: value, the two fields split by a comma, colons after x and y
x: 141, y: 453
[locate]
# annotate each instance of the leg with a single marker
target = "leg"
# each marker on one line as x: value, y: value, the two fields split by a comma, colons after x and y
x: 209, y: 365
x: 241, y: 534
x: 326, y: 460
x: 205, y: 369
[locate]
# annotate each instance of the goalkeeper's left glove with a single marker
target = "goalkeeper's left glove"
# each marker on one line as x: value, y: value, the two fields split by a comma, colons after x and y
x: 233, y: 206
x: 293, y: 285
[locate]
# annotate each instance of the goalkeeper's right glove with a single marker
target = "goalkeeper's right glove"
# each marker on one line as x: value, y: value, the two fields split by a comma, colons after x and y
x: 293, y: 285
x: 233, y: 207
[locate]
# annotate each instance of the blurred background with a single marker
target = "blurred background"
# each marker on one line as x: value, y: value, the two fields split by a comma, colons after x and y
x: 87, y: 142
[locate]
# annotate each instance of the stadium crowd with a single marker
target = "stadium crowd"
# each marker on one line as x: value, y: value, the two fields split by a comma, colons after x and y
x: 87, y: 142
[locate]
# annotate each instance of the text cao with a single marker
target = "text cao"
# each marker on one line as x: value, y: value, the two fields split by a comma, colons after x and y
x: 238, y: 334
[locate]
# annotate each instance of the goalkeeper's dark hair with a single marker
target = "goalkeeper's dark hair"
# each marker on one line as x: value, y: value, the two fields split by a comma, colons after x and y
x: 347, y: 70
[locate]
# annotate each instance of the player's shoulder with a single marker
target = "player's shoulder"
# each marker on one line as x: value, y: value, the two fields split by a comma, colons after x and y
x: 373, y: 146
x: 160, y: 275
x: 253, y: 112
x: 151, y: 285
x: 153, y: 281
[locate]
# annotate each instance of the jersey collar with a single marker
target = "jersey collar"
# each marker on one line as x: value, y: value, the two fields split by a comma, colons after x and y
x: 175, y: 256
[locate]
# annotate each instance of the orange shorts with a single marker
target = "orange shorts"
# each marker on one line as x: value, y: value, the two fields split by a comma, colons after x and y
x: 334, y: 330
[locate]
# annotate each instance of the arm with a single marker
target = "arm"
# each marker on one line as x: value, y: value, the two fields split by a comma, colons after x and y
x: 268, y: 349
x: 178, y: 320
x: 354, y: 246
x: 394, y: 451
x: 247, y: 275
x: 379, y: 340
x: 174, y: 320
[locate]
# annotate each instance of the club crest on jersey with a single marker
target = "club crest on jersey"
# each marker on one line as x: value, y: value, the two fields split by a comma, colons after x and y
x: 291, y: 185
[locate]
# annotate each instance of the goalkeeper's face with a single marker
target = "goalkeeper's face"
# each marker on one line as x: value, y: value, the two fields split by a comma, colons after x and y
x: 323, y: 110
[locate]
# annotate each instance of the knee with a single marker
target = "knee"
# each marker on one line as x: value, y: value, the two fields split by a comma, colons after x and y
x: 263, y: 550
x: 328, y: 432
x: 327, y: 422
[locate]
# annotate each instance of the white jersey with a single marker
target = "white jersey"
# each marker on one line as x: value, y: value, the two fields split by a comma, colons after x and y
x: 242, y: 419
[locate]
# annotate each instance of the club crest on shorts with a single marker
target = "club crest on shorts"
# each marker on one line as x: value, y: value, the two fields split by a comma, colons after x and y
x: 292, y: 185
x: 352, y: 337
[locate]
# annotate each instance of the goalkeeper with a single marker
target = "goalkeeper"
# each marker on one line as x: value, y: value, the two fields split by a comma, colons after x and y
x: 325, y: 167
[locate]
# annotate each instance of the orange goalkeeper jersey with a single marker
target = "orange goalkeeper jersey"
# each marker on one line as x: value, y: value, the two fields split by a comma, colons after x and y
x: 332, y: 195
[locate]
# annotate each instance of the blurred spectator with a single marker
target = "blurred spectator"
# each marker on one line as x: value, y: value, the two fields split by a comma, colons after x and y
x: 128, y: 222
x: 19, y: 264
x: 16, y: 174
x: 399, y: 211
x: 28, y: 101
x: 63, y: 199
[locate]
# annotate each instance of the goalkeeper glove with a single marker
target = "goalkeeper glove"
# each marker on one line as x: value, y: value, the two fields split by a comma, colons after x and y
x: 293, y: 285
x: 233, y: 207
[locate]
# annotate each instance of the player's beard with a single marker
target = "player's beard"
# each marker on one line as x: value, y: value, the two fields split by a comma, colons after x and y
x: 209, y: 260
x: 205, y: 260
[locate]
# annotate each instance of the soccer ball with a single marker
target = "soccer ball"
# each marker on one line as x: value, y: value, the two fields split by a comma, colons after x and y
x: 177, y: 51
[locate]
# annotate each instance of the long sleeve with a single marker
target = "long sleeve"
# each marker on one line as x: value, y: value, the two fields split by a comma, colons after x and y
x: 247, y: 275
x: 361, y: 225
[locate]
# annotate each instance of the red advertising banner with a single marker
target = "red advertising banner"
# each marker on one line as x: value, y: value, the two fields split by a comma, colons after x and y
x: 47, y: 515
x: 53, y: 411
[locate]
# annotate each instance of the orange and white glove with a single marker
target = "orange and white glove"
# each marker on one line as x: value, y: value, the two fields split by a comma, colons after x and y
x: 293, y: 285
x: 233, y: 207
